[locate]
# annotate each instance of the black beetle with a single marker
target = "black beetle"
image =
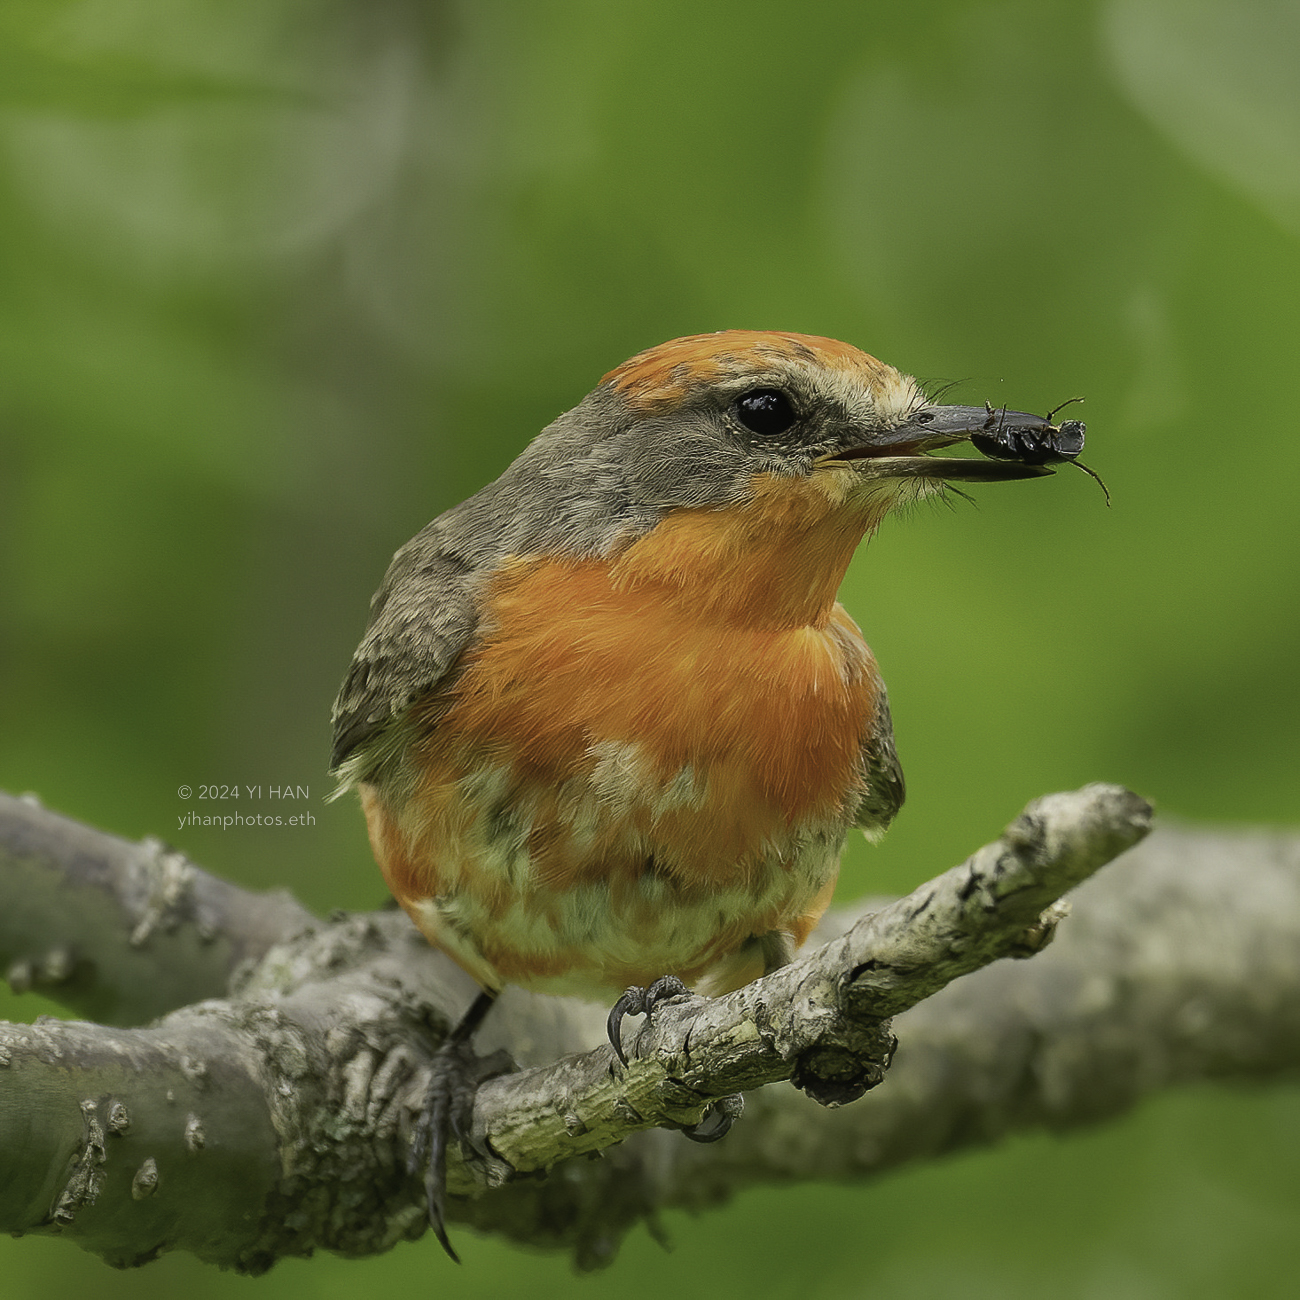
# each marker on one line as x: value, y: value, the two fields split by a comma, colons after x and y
x: 1036, y: 444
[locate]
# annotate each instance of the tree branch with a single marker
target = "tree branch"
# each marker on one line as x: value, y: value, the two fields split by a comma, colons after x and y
x: 275, y: 1121
x: 122, y: 932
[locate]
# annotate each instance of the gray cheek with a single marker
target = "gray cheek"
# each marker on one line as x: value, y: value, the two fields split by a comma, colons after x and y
x: 670, y: 469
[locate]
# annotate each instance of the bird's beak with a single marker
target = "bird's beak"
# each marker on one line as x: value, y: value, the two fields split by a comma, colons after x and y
x: 900, y: 452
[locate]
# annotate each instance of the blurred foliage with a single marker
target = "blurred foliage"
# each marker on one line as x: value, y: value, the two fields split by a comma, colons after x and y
x: 285, y: 278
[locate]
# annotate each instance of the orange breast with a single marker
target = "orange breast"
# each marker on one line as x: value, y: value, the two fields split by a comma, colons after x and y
x: 624, y: 776
x: 572, y: 662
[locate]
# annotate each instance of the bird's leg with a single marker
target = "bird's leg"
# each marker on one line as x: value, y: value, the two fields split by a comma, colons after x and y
x: 455, y: 1074
x: 777, y: 949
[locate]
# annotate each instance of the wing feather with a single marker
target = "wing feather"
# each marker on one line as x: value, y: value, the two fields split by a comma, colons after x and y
x: 886, y: 789
x: 421, y: 619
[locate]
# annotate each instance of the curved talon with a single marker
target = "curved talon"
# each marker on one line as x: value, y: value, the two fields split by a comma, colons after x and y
x: 438, y: 1106
x: 636, y: 1001
x: 718, y: 1119
x: 631, y: 1003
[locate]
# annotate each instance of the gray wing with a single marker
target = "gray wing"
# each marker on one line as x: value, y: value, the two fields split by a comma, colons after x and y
x: 886, y: 789
x: 421, y: 618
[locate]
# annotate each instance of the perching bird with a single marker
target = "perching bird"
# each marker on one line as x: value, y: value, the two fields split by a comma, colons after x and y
x: 608, y: 721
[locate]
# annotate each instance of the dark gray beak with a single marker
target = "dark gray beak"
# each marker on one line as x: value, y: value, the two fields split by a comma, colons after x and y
x: 899, y: 452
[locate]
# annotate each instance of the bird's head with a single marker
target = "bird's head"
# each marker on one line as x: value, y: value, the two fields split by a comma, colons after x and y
x: 753, y: 453
x: 705, y: 416
x: 740, y: 452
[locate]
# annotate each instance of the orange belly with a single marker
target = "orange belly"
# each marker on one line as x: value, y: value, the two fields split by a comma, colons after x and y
x: 615, y: 789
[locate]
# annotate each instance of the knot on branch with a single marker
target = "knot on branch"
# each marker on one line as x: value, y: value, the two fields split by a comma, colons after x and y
x: 834, y: 1074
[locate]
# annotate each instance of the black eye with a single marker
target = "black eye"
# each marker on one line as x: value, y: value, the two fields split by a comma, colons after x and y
x: 765, y: 411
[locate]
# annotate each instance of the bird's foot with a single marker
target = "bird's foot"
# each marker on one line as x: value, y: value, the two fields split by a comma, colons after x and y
x: 638, y: 1001
x: 455, y: 1073
x: 635, y: 1001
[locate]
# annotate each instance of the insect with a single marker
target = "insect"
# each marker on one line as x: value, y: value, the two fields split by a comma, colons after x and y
x: 1036, y: 444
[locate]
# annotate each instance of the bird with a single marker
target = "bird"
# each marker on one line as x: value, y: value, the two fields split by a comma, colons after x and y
x: 609, y: 723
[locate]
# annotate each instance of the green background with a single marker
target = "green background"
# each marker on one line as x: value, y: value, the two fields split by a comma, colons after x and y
x: 283, y: 279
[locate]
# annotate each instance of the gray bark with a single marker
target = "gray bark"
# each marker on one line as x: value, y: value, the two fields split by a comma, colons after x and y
x: 269, y: 1111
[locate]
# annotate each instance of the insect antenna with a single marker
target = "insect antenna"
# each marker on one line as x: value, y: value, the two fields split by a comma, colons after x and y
x: 1069, y: 401
x: 1092, y: 473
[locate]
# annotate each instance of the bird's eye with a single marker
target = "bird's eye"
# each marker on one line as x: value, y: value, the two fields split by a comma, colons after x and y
x: 765, y: 411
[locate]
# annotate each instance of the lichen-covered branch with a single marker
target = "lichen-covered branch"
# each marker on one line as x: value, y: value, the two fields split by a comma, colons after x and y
x: 1178, y: 964
x: 274, y: 1120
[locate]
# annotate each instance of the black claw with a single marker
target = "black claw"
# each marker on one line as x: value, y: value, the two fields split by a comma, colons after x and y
x: 632, y: 1003
x: 637, y: 1001
x: 717, y: 1120
x: 435, y: 1174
